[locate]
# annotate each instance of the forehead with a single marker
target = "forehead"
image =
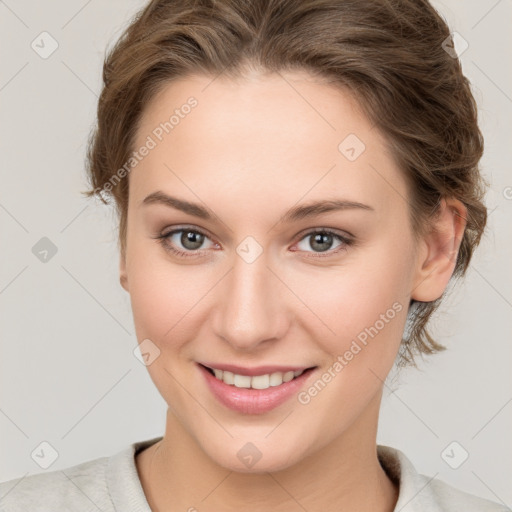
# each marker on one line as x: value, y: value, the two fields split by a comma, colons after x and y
x: 279, y: 137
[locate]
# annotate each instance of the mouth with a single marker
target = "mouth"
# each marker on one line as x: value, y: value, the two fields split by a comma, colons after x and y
x: 256, y: 378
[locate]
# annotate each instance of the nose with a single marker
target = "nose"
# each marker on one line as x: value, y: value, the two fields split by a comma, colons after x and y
x: 252, y: 308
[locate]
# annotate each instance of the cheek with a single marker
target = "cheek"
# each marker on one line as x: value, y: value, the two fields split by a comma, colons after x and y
x: 363, y: 302
x: 367, y: 308
x: 160, y: 294
x: 169, y: 301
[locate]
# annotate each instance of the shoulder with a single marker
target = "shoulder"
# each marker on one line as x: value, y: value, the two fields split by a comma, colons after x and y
x: 420, y: 493
x: 107, y: 484
x: 82, y: 487
x: 451, y: 498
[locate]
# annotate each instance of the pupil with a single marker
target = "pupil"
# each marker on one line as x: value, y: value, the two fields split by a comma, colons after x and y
x: 193, y: 238
x: 322, y: 238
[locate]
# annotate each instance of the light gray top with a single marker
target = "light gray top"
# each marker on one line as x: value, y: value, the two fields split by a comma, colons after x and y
x: 111, y: 484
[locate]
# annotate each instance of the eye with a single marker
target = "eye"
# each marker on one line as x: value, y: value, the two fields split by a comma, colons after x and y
x: 183, y: 242
x: 321, y: 240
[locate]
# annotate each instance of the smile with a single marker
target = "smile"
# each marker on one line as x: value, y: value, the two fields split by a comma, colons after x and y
x: 265, y: 389
x: 255, y: 382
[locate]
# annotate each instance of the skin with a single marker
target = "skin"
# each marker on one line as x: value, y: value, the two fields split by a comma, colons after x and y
x: 248, y: 152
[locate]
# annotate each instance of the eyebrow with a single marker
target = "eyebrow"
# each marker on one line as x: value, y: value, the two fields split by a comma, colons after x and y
x: 294, y: 214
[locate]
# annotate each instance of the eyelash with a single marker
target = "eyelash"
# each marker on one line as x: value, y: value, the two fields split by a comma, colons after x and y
x: 163, y: 239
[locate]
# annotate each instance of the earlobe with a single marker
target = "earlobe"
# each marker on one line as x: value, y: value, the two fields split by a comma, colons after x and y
x: 438, y: 254
x: 123, y: 277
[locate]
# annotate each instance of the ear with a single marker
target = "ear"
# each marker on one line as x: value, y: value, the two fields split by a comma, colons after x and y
x: 437, y: 254
x: 123, y: 276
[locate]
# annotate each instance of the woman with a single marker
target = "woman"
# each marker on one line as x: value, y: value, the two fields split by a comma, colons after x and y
x: 235, y: 139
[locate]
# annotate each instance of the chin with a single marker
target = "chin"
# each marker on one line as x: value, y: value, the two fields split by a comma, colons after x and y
x: 246, y: 457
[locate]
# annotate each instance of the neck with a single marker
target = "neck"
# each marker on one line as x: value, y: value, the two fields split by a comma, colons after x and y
x: 345, y: 474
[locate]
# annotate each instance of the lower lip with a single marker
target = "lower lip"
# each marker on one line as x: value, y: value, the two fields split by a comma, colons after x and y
x: 253, y: 401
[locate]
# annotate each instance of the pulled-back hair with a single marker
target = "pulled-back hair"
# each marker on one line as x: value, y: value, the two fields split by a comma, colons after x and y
x: 390, y: 54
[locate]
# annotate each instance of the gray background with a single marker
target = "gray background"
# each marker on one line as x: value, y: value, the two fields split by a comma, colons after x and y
x: 68, y: 373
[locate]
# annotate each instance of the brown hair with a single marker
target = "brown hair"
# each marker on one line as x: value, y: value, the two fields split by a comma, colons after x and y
x: 389, y: 54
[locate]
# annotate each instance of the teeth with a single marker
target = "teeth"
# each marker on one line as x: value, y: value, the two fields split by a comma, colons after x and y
x: 242, y: 381
x: 276, y: 379
x: 227, y: 377
x: 258, y: 381
x: 288, y: 376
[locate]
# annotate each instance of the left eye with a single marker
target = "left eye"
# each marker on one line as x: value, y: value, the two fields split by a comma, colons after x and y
x: 322, y: 241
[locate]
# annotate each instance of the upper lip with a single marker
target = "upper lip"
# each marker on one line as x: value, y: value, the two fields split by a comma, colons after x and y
x: 255, y: 370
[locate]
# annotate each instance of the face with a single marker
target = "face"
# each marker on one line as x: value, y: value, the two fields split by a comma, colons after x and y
x: 250, y: 277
